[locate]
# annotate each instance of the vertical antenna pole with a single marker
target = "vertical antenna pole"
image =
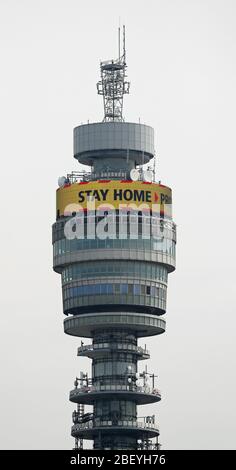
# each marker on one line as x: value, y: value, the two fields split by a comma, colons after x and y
x: 119, y: 42
x: 124, y: 53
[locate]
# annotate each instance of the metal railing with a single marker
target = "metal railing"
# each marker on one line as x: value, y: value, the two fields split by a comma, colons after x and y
x: 114, y: 346
x: 116, y: 388
x: 120, y: 423
x: 76, y: 176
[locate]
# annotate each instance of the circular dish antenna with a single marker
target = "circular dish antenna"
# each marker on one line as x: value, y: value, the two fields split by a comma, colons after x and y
x: 61, y: 181
x: 134, y: 174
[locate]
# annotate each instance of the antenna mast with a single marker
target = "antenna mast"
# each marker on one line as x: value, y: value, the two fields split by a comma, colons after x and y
x: 112, y: 85
x: 124, y: 51
x: 119, y: 42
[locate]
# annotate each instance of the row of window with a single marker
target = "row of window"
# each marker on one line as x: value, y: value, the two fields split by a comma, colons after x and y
x: 140, y: 269
x: 114, y: 289
x: 106, y: 408
x: 123, y: 224
x: 111, y: 368
x: 114, y: 336
x: 119, y: 357
x: 114, y: 228
x: 133, y: 320
x: 64, y: 245
x: 109, y: 443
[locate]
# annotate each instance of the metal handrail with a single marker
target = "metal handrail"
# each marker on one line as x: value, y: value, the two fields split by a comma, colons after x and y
x: 116, y: 388
x: 130, y: 347
x: 125, y: 423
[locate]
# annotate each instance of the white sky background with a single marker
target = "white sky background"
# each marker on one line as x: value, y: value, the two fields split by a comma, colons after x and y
x: 181, y: 64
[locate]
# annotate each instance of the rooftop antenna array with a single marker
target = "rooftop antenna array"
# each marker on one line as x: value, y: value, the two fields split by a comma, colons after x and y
x: 113, y: 85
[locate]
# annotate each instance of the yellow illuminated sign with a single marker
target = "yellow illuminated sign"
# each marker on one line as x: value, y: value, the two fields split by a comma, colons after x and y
x: 114, y: 194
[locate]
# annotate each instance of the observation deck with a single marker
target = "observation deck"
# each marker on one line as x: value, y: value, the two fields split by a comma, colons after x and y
x: 141, y: 395
x: 91, y: 428
x: 96, y: 350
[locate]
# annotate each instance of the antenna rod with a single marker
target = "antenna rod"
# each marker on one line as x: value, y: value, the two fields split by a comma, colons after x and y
x: 124, y: 43
x: 119, y: 42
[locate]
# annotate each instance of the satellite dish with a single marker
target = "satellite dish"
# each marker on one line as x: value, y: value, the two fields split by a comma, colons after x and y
x: 134, y: 174
x: 147, y: 176
x: 61, y: 181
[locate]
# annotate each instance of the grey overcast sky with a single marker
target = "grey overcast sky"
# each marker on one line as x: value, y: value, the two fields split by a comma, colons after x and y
x: 181, y: 63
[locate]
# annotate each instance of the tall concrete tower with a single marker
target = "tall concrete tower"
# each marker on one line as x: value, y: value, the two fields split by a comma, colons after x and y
x: 114, y: 246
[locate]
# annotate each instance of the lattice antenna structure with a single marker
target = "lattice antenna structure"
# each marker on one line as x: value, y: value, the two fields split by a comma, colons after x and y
x: 113, y: 85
